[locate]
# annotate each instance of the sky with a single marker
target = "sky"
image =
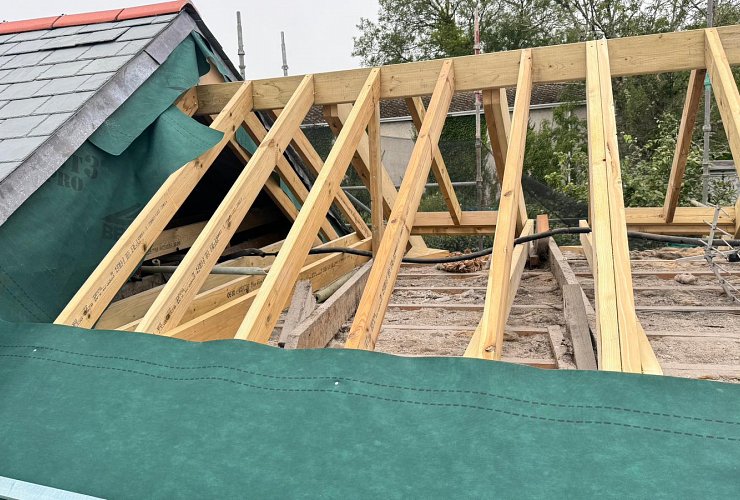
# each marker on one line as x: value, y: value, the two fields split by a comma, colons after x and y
x: 318, y: 33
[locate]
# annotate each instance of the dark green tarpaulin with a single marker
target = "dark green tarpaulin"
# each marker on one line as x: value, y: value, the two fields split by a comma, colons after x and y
x: 52, y: 243
x: 125, y: 415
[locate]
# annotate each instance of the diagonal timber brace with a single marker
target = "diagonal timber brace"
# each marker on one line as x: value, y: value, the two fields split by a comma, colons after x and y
x: 369, y: 317
x: 499, y: 293
x: 275, y: 291
x: 418, y: 111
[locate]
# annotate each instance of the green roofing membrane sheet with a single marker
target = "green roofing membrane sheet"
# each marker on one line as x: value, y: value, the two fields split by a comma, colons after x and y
x: 127, y: 415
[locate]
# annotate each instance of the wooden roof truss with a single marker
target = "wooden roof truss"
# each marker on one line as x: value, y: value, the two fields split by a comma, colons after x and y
x: 197, y: 305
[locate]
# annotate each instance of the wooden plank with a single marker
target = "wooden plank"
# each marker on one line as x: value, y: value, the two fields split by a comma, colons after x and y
x: 702, y: 370
x: 448, y: 306
x: 481, y: 222
x: 171, y: 304
x: 557, y: 343
x: 439, y: 169
x: 687, y: 221
x: 223, y: 321
x: 188, y: 102
x: 725, y: 90
x: 314, y: 163
x: 565, y: 276
x: 275, y: 290
x: 376, y: 178
x: 181, y: 237
x: 497, y: 297
x: 542, y: 226
x: 629, y: 328
x: 683, y: 142
x: 498, y: 123
x: 518, y: 330
x: 586, y: 244
x: 302, y: 305
x: 648, y: 360
x: 231, y: 288
x: 115, y: 268
x: 519, y: 259
x: 322, y: 325
x: 336, y: 116
x: 616, y: 319
x: 369, y: 317
x: 648, y: 54
x: 577, y: 324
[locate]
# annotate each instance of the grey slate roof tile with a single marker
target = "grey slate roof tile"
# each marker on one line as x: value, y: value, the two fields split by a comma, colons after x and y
x: 3, y: 87
x: 7, y: 167
x: 66, y: 55
x: 137, y: 32
x: 133, y: 46
x: 21, y: 107
x: 7, y: 37
x: 83, y: 39
x: 62, y: 85
x: 166, y: 18
x: 104, y: 65
x: 107, y: 49
x: 30, y: 35
x: 19, y: 149
x: 27, y: 46
x: 64, y: 69
x: 21, y: 90
x: 19, y: 127
x: 6, y: 47
x: 66, y: 31
x: 5, y: 60
x: 51, y: 123
x: 18, y: 75
x: 138, y: 21
x: 62, y: 103
x: 97, y: 27
x: 95, y: 81
x: 22, y: 60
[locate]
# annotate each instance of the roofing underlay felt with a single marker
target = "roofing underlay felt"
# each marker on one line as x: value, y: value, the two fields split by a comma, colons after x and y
x: 47, y: 75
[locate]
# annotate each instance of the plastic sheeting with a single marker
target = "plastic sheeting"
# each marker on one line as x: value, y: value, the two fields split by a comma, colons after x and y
x: 126, y: 415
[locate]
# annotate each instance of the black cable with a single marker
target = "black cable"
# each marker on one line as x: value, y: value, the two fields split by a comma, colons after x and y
x: 256, y: 252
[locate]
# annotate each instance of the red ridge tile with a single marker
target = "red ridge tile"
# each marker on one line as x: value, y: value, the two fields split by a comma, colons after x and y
x: 43, y: 23
x: 156, y: 9
x: 103, y: 16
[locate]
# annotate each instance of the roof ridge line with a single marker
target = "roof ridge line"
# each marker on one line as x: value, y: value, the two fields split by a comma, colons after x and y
x: 96, y: 17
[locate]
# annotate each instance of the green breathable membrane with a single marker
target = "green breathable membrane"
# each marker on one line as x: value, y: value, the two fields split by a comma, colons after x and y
x: 126, y: 415
x: 52, y: 243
